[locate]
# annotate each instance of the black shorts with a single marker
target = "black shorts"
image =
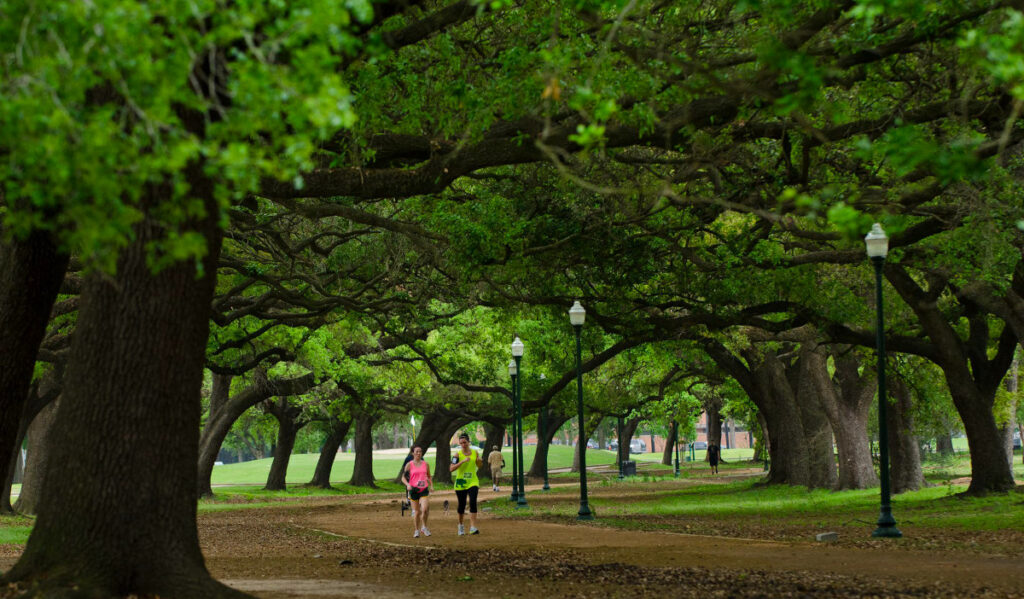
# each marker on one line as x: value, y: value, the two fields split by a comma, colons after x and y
x: 416, y: 494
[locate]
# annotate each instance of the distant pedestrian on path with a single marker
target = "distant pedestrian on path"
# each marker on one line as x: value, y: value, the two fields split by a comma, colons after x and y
x: 713, y: 457
x: 419, y: 483
x: 496, y: 462
x: 467, y: 485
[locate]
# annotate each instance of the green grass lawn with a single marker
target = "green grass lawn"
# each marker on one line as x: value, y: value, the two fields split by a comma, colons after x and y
x: 741, y: 507
x: 301, y: 466
x: 15, y: 535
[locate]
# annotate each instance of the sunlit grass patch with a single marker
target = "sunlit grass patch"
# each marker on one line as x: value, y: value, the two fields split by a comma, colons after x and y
x: 14, y: 535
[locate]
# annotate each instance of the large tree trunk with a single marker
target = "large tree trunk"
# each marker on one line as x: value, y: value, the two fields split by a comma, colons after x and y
x: 1006, y: 429
x: 626, y: 437
x: 944, y: 444
x: 846, y: 399
x: 42, y: 396
x: 443, y: 452
x: 39, y: 450
x: 818, y: 434
x: 764, y: 379
x: 434, y: 424
x: 289, y: 423
x: 117, y: 515
x: 972, y: 377
x: 329, y: 452
x: 670, y: 444
x: 31, y: 271
x: 789, y: 462
x: 589, y: 425
x: 904, y: 450
x: 18, y: 470
x: 714, y: 432
x: 362, y: 467
x: 762, y: 446
x: 552, y: 423
x: 221, y: 419
x: 495, y: 435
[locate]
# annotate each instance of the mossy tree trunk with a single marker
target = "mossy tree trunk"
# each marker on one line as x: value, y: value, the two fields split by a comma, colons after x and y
x: 338, y: 430
x: 972, y: 376
x: 38, y: 450
x: 669, y: 453
x: 223, y: 415
x: 36, y: 419
x: 362, y: 467
x: 818, y: 434
x: 31, y: 271
x: 495, y: 435
x: 443, y: 455
x: 906, y: 473
x: 117, y: 515
x: 289, y: 423
x: 552, y: 423
x: 847, y: 397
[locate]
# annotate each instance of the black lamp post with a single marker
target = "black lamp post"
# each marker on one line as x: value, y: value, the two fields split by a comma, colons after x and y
x: 576, y: 316
x: 517, y: 355
x: 675, y: 438
x: 619, y: 450
x: 513, y: 370
x: 542, y: 433
x: 878, y: 247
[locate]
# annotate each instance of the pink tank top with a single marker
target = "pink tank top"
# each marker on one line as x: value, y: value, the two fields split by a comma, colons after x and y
x: 418, y: 475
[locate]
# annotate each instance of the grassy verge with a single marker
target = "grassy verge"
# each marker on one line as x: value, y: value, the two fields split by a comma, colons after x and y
x: 386, y: 466
x: 244, y: 497
x: 936, y: 517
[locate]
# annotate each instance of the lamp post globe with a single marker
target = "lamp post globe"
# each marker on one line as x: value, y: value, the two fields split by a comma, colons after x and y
x: 517, y: 356
x: 576, y: 317
x: 513, y: 371
x: 877, y: 244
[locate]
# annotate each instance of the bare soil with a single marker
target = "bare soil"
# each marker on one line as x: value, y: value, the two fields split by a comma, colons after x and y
x: 362, y: 547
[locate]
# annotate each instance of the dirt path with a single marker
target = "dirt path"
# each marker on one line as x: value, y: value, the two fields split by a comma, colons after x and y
x: 378, y: 521
x: 362, y: 547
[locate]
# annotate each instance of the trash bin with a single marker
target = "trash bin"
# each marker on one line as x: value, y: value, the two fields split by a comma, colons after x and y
x: 628, y: 468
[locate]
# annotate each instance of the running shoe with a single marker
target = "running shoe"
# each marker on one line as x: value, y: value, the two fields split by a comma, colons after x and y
x: 473, y: 531
x: 415, y: 534
x: 426, y: 531
x: 462, y: 530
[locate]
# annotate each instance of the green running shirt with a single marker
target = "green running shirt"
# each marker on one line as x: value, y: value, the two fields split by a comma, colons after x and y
x: 465, y: 475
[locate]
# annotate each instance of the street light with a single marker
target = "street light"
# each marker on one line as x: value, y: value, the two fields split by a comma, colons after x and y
x: 576, y: 317
x: 675, y: 435
x: 542, y: 432
x: 517, y: 355
x: 878, y: 247
x: 513, y: 370
x: 618, y: 448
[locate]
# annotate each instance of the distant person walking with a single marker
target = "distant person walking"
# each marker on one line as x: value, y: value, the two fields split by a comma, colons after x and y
x: 419, y: 483
x: 467, y: 485
x: 496, y: 461
x: 713, y: 457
